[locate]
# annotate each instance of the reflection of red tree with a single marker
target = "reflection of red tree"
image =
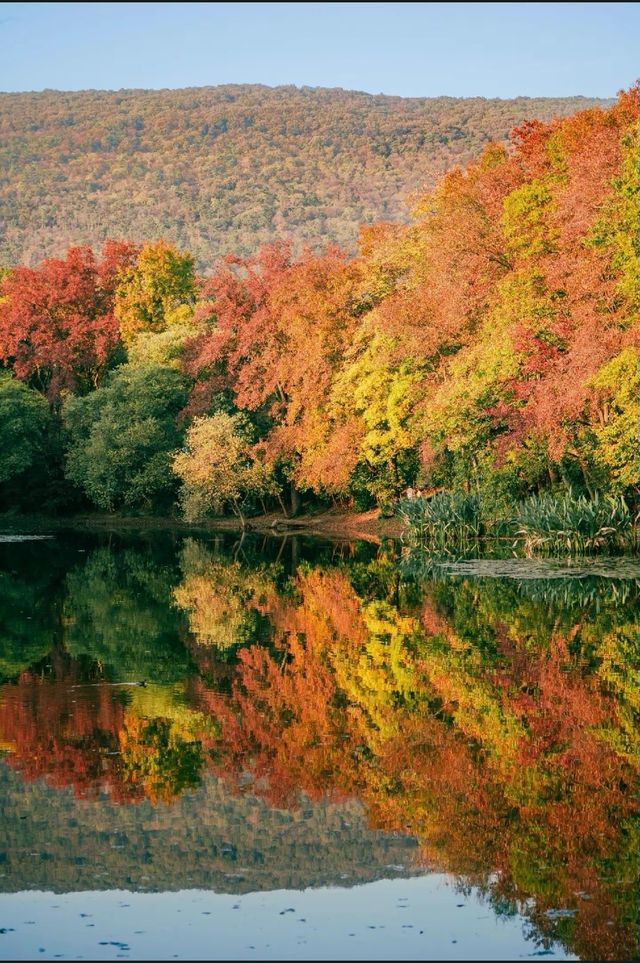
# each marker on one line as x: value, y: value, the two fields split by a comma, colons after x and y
x: 66, y: 734
x: 586, y: 795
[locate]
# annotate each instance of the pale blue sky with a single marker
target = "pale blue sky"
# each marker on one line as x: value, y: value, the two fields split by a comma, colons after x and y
x: 412, y: 49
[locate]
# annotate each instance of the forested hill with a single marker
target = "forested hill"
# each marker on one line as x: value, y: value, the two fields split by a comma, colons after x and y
x: 220, y: 169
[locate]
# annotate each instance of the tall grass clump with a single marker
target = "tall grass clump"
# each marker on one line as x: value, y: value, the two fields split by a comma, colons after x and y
x: 573, y: 524
x: 445, y: 522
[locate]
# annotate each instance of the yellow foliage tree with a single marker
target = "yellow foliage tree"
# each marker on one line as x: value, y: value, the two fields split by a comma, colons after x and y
x: 159, y: 292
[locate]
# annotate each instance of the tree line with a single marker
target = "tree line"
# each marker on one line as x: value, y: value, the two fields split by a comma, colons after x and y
x: 489, y: 346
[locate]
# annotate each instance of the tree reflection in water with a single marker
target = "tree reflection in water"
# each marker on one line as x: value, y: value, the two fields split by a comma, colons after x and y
x: 495, y: 720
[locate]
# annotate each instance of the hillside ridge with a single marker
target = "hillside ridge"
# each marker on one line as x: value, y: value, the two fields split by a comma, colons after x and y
x: 224, y: 169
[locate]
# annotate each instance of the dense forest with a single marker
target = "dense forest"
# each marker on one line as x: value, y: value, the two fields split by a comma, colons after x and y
x: 489, y: 348
x: 224, y: 169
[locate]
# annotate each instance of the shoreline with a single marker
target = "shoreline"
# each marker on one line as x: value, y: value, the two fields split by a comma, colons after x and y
x: 331, y: 524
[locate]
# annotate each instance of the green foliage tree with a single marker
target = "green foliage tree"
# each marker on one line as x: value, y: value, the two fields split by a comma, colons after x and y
x: 120, y: 438
x: 160, y: 347
x: 24, y: 419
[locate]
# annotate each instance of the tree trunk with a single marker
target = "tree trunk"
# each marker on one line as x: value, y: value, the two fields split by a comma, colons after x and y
x: 238, y: 512
x: 583, y: 469
x: 295, y: 499
x: 282, y: 506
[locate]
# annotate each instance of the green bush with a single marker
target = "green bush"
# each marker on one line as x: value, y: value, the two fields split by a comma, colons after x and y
x: 121, y: 438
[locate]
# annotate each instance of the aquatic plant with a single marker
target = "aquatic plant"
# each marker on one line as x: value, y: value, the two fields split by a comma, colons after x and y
x: 573, y: 524
x: 444, y: 522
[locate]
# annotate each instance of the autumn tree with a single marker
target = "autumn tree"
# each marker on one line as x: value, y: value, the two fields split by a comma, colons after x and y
x: 218, y: 467
x: 57, y: 325
x: 157, y: 292
x: 278, y: 328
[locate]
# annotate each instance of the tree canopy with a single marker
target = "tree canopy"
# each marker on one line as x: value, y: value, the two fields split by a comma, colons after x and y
x: 122, y: 436
x: 490, y: 346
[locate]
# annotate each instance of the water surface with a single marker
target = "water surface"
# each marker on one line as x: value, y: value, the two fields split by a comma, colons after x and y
x: 298, y: 749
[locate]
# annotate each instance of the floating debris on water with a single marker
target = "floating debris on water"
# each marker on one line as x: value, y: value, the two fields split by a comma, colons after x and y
x: 24, y: 538
x: 559, y: 914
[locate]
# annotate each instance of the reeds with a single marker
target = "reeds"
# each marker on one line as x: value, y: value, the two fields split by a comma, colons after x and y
x: 561, y: 525
x: 573, y: 524
x: 445, y: 522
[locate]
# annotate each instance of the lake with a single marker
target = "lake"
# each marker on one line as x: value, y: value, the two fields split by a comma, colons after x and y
x: 286, y: 748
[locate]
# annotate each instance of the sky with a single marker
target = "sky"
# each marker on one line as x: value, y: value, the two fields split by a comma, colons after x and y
x: 408, y: 49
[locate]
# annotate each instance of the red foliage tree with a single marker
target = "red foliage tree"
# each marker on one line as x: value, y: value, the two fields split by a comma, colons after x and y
x: 57, y: 328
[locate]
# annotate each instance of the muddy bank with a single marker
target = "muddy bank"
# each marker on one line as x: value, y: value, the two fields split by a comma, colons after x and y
x: 333, y: 524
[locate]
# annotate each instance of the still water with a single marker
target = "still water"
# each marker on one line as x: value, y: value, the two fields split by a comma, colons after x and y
x: 305, y: 750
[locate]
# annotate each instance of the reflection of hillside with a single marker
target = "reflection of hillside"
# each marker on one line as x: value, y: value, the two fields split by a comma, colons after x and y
x: 210, y: 839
